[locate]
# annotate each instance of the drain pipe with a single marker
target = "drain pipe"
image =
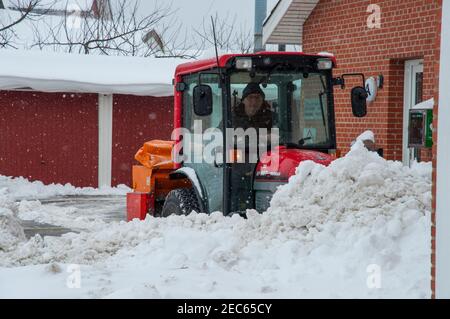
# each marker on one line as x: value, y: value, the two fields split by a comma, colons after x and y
x: 260, y: 16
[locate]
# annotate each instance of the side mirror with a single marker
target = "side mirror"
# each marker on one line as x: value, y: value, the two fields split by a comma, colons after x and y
x: 203, y: 100
x: 359, y: 101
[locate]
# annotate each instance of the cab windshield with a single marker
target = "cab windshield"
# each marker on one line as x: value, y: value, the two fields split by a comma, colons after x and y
x: 298, y: 103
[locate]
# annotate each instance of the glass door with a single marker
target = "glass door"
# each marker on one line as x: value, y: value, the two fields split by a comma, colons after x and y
x: 413, y: 96
x: 202, y: 136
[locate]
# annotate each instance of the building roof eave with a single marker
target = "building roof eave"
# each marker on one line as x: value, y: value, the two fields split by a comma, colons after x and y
x: 285, y: 23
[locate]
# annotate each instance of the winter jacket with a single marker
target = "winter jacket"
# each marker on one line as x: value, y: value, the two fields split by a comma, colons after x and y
x: 262, y: 119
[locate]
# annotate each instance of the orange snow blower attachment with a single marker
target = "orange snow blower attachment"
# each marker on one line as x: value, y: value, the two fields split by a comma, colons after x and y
x: 151, y: 179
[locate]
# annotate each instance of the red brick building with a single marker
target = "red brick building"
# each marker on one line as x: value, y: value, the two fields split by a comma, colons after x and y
x: 403, y: 48
x: 400, y: 40
x: 80, y: 119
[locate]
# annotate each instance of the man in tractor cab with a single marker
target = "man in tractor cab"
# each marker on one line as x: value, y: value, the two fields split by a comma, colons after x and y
x: 253, y: 111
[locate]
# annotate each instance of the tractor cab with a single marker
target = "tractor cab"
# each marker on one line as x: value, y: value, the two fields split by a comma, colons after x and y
x: 222, y: 157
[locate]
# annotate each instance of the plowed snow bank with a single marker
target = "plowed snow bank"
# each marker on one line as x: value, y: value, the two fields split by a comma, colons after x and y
x: 358, y: 228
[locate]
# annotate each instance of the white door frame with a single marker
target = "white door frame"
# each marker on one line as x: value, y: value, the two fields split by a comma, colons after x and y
x: 443, y: 167
x: 105, y: 127
x: 411, y: 68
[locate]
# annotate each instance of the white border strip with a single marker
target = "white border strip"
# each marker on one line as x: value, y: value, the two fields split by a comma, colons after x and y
x: 443, y: 164
x: 105, y: 129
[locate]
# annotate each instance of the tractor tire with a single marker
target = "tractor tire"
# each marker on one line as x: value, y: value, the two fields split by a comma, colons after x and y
x: 180, y: 202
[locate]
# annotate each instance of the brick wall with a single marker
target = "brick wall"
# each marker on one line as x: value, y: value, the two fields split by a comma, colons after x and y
x: 408, y: 31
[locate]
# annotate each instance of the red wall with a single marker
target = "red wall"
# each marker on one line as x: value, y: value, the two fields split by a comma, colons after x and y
x: 408, y: 31
x: 137, y: 120
x: 51, y: 137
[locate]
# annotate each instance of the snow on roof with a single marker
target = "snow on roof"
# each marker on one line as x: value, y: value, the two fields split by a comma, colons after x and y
x: 62, y: 72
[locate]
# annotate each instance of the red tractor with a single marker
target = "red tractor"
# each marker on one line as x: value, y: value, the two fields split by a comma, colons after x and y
x: 298, y: 89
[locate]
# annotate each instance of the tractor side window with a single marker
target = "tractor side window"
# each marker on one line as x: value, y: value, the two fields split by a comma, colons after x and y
x: 210, y: 175
x: 189, y: 115
x: 309, y: 111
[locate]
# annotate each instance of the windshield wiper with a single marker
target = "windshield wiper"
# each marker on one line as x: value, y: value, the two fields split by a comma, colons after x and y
x: 300, y: 143
x: 303, y: 140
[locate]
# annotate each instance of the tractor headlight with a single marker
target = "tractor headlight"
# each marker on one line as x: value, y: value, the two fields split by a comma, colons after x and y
x: 324, y: 64
x: 244, y: 63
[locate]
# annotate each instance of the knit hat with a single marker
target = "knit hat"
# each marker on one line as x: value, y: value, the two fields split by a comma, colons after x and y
x: 252, y: 88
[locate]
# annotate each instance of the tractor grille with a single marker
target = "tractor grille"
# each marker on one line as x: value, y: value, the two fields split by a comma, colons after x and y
x: 263, y: 194
x: 262, y: 199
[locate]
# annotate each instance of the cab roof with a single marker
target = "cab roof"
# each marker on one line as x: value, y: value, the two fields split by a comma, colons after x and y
x: 201, y: 65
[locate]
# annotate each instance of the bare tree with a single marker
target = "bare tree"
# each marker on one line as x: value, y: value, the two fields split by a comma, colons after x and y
x: 121, y: 28
x: 229, y: 35
x: 18, y: 12
x: 125, y: 30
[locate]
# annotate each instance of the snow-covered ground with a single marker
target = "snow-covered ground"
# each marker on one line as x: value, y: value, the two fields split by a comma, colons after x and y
x: 20, y: 188
x: 359, y: 228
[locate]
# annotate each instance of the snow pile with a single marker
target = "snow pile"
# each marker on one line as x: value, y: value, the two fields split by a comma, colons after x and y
x: 21, y: 188
x: 91, y: 247
x: 361, y: 188
x: 366, y: 136
x: 359, y: 228
x: 423, y: 169
x: 11, y: 233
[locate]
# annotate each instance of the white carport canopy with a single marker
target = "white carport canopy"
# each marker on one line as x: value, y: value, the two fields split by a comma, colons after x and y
x: 285, y: 23
x: 63, y: 72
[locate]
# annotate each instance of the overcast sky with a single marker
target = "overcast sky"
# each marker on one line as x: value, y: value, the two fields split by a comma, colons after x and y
x: 192, y: 12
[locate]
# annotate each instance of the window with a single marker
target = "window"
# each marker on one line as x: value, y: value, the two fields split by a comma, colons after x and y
x: 299, y: 102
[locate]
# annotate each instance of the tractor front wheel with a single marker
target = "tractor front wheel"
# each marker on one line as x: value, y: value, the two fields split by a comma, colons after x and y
x: 180, y: 202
